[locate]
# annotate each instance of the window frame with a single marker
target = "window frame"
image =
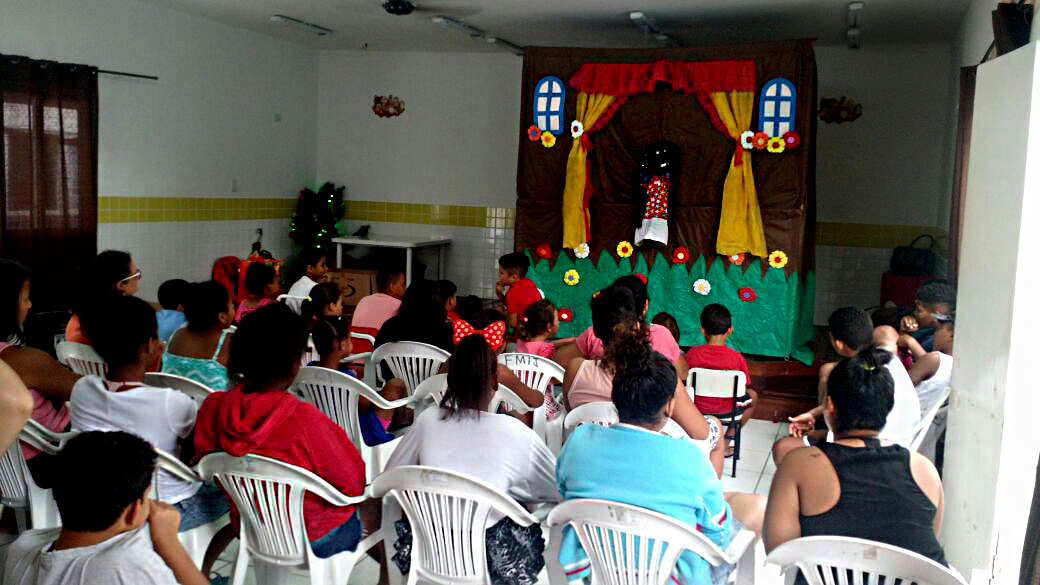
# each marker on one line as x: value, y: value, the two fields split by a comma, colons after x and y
x: 548, y: 112
x: 776, y: 118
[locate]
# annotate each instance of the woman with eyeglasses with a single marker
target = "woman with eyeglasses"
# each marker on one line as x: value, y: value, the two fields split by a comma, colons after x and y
x: 110, y: 272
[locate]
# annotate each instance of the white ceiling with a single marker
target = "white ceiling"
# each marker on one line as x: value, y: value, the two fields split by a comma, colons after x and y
x: 584, y: 23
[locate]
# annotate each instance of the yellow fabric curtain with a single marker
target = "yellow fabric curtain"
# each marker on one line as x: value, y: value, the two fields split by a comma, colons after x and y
x: 575, y: 215
x: 740, y: 226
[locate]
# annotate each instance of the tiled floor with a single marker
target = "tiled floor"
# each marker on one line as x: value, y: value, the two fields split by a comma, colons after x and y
x: 754, y: 474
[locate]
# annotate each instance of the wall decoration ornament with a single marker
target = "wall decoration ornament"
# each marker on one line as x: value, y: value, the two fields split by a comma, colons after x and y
x: 549, y: 95
x: 387, y: 106
x: 544, y: 251
x: 577, y: 129
x: 736, y: 259
x: 657, y: 164
x: 571, y: 277
x: 778, y: 259
x: 747, y: 140
x: 565, y: 315
x: 791, y: 139
x: 839, y: 110
x: 680, y: 255
x: 776, y: 105
x: 548, y: 140
x: 776, y: 145
x: 582, y: 250
x: 533, y: 133
x: 746, y: 294
x: 624, y: 249
x: 702, y: 287
x: 760, y: 140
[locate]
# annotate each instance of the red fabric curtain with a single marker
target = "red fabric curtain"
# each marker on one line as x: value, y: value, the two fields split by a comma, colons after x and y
x: 622, y: 79
x: 48, y: 177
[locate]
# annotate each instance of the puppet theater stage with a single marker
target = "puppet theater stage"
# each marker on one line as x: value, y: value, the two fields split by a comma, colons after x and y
x: 730, y: 221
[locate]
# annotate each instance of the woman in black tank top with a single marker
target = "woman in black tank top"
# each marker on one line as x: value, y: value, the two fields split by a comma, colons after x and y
x: 856, y: 486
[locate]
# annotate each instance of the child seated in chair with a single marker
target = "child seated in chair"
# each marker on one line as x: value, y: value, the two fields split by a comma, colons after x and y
x: 308, y: 269
x: 324, y: 302
x: 372, y: 311
x: 171, y: 299
x: 935, y: 300
x: 717, y: 326
x: 332, y: 341
x: 514, y: 288
x: 609, y: 463
x: 128, y: 342
x: 200, y: 351
x: 111, y: 531
x: 261, y: 285
x: 258, y: 416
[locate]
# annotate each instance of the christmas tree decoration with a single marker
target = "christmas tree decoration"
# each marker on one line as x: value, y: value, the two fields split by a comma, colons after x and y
x: 317, y: 213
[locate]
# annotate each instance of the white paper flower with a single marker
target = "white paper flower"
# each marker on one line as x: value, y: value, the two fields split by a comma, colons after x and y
x: 747, y: 140
x: 702, y: 287
x: 582, y: 251
x: 577, y: 129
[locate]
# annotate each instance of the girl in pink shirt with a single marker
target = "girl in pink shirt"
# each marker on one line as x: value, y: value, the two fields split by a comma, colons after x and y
x: 539, y: 323
x: 262, y: 286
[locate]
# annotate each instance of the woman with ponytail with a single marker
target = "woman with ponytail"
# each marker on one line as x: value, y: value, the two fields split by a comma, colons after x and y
x: 857, y: 485
x: 618, y: 323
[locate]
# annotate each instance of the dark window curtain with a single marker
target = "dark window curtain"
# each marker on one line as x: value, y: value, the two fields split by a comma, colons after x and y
x: 48, y: 175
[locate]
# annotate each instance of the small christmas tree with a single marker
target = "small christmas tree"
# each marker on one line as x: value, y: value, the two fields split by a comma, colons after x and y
x: 314, y: 221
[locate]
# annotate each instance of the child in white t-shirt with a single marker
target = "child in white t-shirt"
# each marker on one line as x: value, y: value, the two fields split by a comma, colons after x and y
x: 309, y: 268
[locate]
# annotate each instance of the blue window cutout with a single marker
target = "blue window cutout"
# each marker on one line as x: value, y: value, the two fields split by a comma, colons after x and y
x: 548, y: 105
x: 776, y: 107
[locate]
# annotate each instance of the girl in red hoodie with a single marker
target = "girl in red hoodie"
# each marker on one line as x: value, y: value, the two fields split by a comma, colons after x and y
x: 257, y: 416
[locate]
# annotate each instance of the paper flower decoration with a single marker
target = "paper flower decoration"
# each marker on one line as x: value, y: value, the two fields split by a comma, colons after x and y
x: 702, y: 287
x: 565, y: 315
x: 776, y: 145
x: 747, y: 140
x: 387, y: 106
x: 746, y: 294
x: 791, y: 139
x: 571, y: 277
x: 548, y: 140
x: 737, y: 259
x: 680, y: 255
x: 543, y: 251
x: 577, y: 129
x: 582, y: 251
x: 778, y: 259
x: 534, y: 133
x: 641, y: 277
x: 761, y: 140
x: 624, y: 249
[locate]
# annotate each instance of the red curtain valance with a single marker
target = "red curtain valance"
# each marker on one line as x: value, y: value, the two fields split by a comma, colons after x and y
x: 623, y: 79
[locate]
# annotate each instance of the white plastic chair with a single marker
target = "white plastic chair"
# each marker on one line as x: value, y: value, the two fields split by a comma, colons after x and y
x: 269, y: 497
x: 728, y: 384
x: 600, y: 413
x: 431, y: 390
x: 195, y: 390
x: 196, y: 540
x: 81, y: 358
x: 628, y: 545
x: 410, y: 361
x: 17, y: 488
x: 449, y: 513
x: 539, y: 374
x: 336, y: 395
x: 920, y: 430
x: 825, y: 560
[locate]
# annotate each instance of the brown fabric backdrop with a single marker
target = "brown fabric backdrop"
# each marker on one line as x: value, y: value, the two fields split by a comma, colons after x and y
x: 48, y: 177
x: 785, y: 182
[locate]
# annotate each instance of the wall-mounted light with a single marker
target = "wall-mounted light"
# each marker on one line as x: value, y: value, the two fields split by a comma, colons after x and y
x: 303, y: 25
x: 649, y: 26
x: 853, y: 20
x: 475, y: 33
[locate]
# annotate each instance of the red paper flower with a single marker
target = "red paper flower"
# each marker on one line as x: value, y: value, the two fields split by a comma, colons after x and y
x: 791, y: 139
x: 534, y: 133
x: 641, y: 277
x: 566, y: 316
x: 680, y: 255
x: 761, y: 140
x: 543, y: 251
x: 737, y: 259
x: 746, y: 294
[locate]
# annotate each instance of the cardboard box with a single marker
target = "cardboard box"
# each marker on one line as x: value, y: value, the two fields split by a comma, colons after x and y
x: 355, y: 284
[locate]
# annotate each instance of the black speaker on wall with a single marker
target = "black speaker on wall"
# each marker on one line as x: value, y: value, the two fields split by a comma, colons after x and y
x: 1011, y: 24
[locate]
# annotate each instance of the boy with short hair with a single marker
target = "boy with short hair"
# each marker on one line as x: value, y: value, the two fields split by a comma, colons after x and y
x: 171, y: 298
x: 111, y: 531
x: 717, y: 326
x: 512, y: 273
x: 372, y: 311
x: 935, y: 301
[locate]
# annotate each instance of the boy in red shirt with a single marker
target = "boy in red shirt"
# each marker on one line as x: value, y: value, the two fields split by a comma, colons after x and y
x: 512, y: 273
x: 716, y: 326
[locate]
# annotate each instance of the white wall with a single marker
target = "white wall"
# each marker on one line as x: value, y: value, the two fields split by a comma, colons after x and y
x: 455, y: 143
x: 209, y: 119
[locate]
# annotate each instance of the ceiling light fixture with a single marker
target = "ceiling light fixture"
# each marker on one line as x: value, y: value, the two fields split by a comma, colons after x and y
x: 853, y: 20
x: 517, y: 50
x: 475, y: 33
x: 649, y: 27
x: 296, y: 23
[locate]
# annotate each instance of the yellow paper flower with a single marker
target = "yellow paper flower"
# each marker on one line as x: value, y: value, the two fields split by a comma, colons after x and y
x: 571, y: 277
x: 778, y: 259
x: 548, y: 140
x: 775, y: 146
x: 624, y: 249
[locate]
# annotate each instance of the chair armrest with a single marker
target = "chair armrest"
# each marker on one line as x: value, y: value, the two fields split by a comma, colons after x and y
x: 357, y: 357
x: 739, y: 545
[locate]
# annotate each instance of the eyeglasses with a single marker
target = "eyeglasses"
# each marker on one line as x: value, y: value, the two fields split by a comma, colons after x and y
x: 134, y: 276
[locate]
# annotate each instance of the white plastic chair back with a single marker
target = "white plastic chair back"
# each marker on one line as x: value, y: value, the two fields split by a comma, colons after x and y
x: 716, y: 383
x: 410, y: 361
x: 825, y: 560
x: 448, y: 513
x: 81, y: 358
x: 269, y: 497
x: 336, y: 395
x: 195, y: 390
x: 509, y: 400
x: 535, y: 371
x: 17, y: 488
x: 429, y: 392
x: 628, y: 545
x: 920, y: 430
x: 600, y: 413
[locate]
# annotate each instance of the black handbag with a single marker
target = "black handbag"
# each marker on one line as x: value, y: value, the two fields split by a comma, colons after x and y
x: 913, y: 261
